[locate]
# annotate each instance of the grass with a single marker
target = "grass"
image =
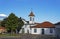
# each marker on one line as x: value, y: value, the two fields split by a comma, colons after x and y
x: 25, y: 36
x: 9, y: 35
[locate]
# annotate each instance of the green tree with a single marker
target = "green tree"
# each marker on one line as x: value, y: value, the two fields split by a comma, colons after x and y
x: 0, y: 22
x: 3, y: 22
x: 20, y: 24
x: 12, y: 22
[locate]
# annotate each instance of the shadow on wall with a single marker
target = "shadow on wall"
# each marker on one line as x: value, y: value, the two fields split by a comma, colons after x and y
x: 57, y: 32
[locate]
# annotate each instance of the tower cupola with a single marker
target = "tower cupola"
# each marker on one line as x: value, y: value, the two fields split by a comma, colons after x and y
x: 31, y: 15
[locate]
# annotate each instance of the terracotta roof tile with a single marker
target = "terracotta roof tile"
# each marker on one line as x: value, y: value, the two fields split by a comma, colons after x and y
x: 44, y: 25
x: 2, y: 27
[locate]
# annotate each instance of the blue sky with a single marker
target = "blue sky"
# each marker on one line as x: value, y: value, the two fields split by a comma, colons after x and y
x: 44, y: 10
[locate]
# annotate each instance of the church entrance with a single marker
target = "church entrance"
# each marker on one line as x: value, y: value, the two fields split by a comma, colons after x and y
x: 42, y: 31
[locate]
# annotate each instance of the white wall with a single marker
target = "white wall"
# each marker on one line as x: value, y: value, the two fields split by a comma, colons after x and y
x: 47, y: 31
x: 39, y: 31
x: 31, y: 22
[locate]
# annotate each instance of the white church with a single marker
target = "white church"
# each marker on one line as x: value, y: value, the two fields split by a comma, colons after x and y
x: 31, y: 27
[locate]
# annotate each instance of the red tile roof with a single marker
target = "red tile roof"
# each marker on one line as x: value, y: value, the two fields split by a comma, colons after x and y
x: 44, y: 25
x: 2, y: 28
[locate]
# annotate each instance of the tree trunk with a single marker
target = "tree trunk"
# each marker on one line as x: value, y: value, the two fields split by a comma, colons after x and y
x: 12, y: 32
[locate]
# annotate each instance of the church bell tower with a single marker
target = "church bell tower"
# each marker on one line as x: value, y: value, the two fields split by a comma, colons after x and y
x: 31, y: 15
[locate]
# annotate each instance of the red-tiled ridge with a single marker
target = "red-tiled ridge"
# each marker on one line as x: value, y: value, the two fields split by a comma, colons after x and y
x: 44, y: 25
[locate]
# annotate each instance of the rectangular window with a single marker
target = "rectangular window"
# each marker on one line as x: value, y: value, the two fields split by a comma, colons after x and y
x: 35, y: 30
x: 30, y: 18
x: 51, y: 30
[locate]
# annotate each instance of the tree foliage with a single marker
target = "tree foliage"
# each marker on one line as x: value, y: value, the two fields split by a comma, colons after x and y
x: 12, y: 23
x: 20, y: 23
x: 3, y: 22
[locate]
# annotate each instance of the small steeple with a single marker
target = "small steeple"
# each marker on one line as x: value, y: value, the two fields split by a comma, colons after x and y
x: 31, y: 14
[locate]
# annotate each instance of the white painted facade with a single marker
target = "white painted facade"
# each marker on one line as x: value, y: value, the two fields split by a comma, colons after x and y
x: 26, y: 28
x: 46, y: 31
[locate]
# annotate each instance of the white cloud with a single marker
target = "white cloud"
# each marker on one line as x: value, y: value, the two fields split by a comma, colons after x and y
x: 3, y: 15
